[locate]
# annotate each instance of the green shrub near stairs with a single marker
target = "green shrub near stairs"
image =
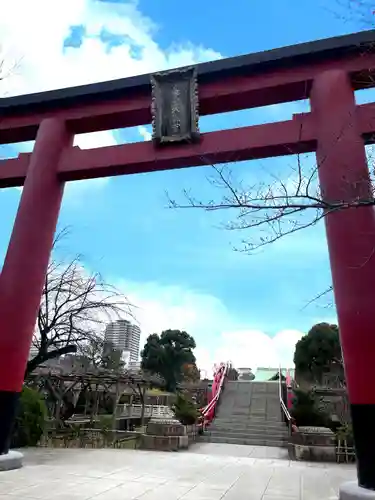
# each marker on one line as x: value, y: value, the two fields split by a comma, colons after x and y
x: 185, y: 410
x: 30, y: 420
x: 306, y: 412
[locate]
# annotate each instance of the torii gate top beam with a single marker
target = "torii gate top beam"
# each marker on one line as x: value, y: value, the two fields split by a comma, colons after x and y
x: 264, y: 78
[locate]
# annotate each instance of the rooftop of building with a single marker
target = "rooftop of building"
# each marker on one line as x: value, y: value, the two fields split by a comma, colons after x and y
x: 263, y: 374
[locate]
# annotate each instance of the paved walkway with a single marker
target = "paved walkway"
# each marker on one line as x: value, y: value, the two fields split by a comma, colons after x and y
x: 206, y: 472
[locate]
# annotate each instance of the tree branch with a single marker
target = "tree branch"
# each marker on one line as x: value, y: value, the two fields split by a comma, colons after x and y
x: 41, y: 358
x: 74, y: 308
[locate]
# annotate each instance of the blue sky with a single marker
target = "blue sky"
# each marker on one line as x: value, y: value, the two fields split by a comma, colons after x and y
x: 178, y: 266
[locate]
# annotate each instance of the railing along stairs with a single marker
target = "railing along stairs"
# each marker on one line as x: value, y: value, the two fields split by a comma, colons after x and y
x: 285, y: 401
x: 208, y: 412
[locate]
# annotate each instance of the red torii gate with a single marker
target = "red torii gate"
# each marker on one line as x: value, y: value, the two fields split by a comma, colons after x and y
x: 326, y: 71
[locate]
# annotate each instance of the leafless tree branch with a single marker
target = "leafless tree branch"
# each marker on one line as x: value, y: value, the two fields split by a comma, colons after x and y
x: 74, y: 310
x: 272, y: 209
x: 8, y: 67
x: 359, y: 11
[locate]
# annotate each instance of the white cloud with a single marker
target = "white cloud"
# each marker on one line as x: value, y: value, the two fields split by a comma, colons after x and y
x: 95, y: 140
x: 144, y: 133
x: 251, y: 348
x: 44, y: 64
x: 84, y: 141
x: 90, y: 141
x: 218, y: 335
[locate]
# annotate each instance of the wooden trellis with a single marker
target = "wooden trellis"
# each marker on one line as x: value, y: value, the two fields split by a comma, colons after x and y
x: 62, y: 391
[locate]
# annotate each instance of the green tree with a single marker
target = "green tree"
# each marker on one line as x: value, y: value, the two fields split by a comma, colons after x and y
x: 191, y: 373
x: 30, y: 420
x: 232, y: 374
x: 319, y: 352
x: 185, y: 410
x: 306, y: 411
x: 166, y: 355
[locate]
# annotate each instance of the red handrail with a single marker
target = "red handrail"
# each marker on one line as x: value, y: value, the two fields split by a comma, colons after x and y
x: 208, y: 412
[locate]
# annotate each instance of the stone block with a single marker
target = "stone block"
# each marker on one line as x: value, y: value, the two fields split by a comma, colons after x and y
x: 160, y: 443
x: 165, y: 427
x: 183, y: 442
x: 314, y: 436
x: 315, y: 453
x: 11, y: 460
x: 314, y: 444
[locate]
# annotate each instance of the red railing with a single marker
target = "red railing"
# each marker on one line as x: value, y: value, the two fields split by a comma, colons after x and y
x: 287, y: 403
x: 208, y: 412
x: 289, y: 388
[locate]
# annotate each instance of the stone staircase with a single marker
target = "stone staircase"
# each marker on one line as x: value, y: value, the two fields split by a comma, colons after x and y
x: 249, y: 413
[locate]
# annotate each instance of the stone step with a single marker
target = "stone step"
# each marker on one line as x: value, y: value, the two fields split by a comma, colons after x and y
x: 251, y: 416
x: 241, y: 398
x: 249, y: 425
x: 261, y: 422
x: 250, y: 420
x: 247, y: 432
x: 250, y: 430
x: 253, y: 429
x: 257, y: 404
x: 278, y: 443
x: 249, y: 435
x: 250, y: 411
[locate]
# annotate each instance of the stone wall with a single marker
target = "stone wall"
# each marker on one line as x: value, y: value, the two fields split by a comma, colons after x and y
x: 313, y: 444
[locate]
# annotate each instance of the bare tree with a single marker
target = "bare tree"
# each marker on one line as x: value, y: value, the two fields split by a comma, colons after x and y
x: 74, y: 309
x: 267, y: 211
x: 93, y: 350
x: 283, y: 205
x: 359, y: 11
x: 273, y: 209
x: 8, y: 68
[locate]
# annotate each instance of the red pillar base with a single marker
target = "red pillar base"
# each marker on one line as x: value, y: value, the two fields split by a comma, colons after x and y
x: 8, y: 409
x: 363, y: 418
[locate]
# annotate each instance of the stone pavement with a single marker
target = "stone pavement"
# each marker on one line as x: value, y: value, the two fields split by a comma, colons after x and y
x: 205, y: 472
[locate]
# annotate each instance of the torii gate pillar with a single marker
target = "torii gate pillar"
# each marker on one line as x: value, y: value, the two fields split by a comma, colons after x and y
x: 344, y: 176
x: 25, y: 266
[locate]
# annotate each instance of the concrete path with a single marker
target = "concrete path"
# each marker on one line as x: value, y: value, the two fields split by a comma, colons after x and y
x: 206, y: 472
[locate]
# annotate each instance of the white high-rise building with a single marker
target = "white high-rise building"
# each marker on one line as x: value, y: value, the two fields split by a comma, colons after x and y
x: 124, y: 336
